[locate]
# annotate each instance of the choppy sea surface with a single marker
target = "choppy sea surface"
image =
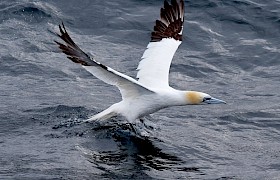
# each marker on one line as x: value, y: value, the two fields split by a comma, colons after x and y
x: 231, y: 50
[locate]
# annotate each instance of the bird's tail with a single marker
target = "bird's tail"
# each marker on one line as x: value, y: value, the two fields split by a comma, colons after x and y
x: 104, y: 115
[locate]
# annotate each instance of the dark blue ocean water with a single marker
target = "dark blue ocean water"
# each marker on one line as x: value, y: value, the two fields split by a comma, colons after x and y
x: 231, y: 50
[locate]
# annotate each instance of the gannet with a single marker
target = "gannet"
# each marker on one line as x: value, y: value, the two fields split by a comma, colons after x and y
x: 150, y: 92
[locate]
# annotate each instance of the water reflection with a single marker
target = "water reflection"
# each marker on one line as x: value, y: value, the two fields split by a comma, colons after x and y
x: 112, y: 148
x: 134, y: 156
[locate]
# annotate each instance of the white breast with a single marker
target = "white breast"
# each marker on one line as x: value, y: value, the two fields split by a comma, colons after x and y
x: 134, y: 108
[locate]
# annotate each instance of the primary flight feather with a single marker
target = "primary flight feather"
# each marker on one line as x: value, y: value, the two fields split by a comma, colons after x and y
x: 151, y: 92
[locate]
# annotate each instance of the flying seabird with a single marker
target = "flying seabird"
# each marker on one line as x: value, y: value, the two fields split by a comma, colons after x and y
x: 150, y: 92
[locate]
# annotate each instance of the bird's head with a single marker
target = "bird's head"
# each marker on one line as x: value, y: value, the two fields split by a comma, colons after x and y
x: 194, y: 97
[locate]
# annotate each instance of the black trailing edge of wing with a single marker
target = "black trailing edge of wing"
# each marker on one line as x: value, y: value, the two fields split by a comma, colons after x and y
x: 171, y: 21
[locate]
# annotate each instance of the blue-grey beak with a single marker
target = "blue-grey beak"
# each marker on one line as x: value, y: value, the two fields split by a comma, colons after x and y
x: 211, y: 100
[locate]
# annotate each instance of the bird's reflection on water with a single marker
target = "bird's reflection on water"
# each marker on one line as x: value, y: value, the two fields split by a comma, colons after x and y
x: 112, y: 148
x: 134, y: 154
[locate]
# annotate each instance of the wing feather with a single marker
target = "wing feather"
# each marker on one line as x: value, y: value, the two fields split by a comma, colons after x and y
x: 153, y: 69
x: 128, y: 86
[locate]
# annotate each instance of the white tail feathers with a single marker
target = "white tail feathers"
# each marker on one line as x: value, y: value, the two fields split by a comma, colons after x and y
x: 104, y: 115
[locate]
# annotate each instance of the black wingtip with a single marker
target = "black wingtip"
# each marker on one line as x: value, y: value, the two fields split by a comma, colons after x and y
x: 62, y: 29
x: 57, y: 42
x: 171, y: 21
x: 68, y: 47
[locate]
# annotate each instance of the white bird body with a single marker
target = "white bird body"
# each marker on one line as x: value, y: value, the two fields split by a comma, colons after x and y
x: 139, y: 106
x: 151, y: 92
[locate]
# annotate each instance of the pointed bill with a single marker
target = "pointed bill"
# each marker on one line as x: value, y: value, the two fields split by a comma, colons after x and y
x: 214, y: 101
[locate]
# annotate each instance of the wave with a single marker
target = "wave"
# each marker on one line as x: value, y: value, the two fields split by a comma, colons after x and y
x: 34, y: 12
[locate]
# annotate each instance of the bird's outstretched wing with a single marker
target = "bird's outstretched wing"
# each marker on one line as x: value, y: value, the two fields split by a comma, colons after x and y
x: 128, y: 86
x: 153, y: 69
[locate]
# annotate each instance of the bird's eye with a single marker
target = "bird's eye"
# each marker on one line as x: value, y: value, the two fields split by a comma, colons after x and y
x: 206, y: 99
